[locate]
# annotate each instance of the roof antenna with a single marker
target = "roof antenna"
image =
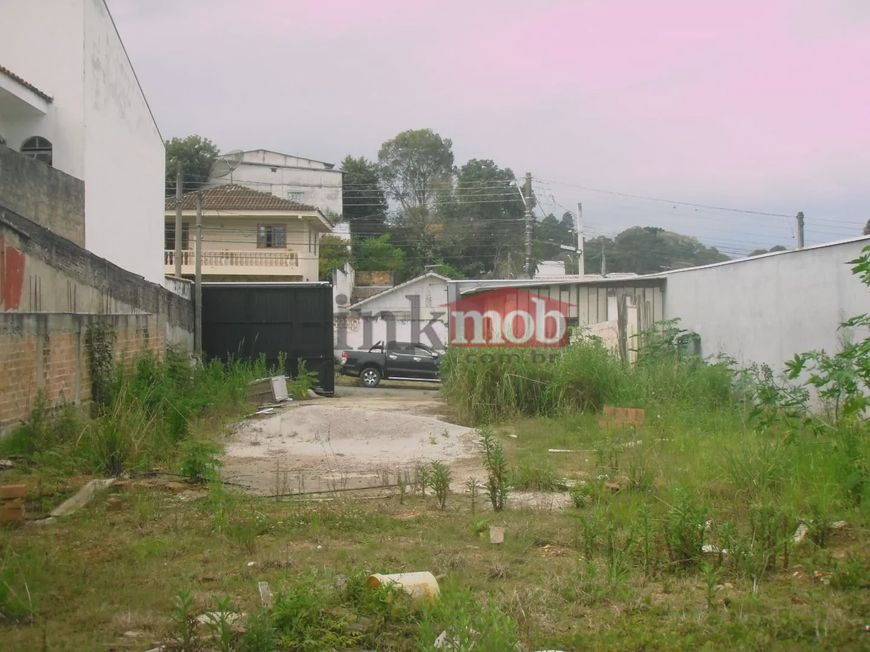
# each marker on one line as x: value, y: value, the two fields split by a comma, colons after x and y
x: 224, y: 164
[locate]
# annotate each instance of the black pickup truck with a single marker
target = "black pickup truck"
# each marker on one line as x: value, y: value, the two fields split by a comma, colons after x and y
x: 393, y: 361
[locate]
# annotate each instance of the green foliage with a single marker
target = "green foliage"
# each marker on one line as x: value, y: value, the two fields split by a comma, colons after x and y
x: 414, y: 164
x: 488, y: 385
x: 219, y: 622
x: 195, y: 155
x: 199, y: 462
x: 469, y: 623
x: 184, y: 621
x: 364, y: 204
x: 497, y: 473
x: 260, y: 634
x: 842, y: 380
x: 648, y: 249
x: 43, y: 430
x: 302, y: 382
x: 100, y: 339
x: 538, y: 477
x: 439, y: 480
x: 334, y: 253
x: 684, y: 530
x: 377, y: 254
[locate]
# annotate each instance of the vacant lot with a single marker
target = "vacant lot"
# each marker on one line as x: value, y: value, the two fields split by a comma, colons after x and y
x: 361, y: 438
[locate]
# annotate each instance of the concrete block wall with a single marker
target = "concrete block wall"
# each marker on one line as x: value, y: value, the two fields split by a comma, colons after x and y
x: 46, y: 352
x: 44, y: 194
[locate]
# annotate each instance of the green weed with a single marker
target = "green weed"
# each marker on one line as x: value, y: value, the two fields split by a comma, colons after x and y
x: 439, y: 480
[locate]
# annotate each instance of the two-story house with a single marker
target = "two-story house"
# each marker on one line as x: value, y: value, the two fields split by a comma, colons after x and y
x: 69, y: 97
x: 247, y: 235
x: 296, y: 178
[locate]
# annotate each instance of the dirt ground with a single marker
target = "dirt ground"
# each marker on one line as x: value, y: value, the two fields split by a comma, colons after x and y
x: 360, y: 438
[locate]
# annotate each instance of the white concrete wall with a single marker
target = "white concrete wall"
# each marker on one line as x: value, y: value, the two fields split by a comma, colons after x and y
x: 41, y: 42
x: 124, y: 155
x: 98, y: 122
x: 768, y: 308
x: 282, y: 174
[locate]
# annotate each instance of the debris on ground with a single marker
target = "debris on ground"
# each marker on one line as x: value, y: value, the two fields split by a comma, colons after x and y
x: 265, y: 594
x: 12, y: 503
x: 801, y: 533
x: 420, y: 585
x: 496, y: 534
x: 84, y: 496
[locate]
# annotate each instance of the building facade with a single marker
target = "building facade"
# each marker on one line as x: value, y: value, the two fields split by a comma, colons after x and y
x: 247, y: 235
x: 69, y: 97
x: 294, y: 178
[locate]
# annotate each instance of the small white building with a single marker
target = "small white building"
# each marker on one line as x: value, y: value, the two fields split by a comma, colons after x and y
x: 297, y: 179
x: 414, y: 311
x: 69, y: 97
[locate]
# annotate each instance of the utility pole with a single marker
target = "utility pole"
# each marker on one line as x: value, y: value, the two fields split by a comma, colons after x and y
x: 197, y: 288
x: 581, y: 241
x: 178, y: 242
x: 800, y: 229
x: 527, y: 199
x: 603, y: 259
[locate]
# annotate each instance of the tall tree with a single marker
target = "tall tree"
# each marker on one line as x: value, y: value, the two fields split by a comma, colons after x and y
x: 195, y: 155
x: 414, y: 164
x: 364, y: 204
x: 483, y: 219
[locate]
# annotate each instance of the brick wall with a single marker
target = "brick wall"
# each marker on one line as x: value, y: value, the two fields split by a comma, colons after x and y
x: 46, y: 352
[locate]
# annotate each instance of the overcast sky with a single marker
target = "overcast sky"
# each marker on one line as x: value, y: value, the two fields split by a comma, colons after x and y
x: 753, y: 105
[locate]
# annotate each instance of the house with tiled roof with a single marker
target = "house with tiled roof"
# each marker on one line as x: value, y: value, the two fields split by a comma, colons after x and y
x: 247, y: 235
x: 70, y: 99
x: 288, y: 176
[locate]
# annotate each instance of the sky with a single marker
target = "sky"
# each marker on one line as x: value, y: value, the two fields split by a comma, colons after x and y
x: 755, y: 106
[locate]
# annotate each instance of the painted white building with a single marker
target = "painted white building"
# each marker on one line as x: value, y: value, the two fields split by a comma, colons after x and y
x: 414, y: 311
x: 69, y: 96
x: 297, y: 179
x: 767, y: 308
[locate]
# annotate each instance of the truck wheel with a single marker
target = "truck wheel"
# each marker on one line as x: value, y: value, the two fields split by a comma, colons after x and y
x: 370, y: 377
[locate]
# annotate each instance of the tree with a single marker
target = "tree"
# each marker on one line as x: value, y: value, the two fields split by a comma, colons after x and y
x: 195, y: 155
x: 483, y: 219
x: 646, y: 250
x: 414, y: 164
x: 334, y: 253
x: 758, y: 252
x: 378, y: 255
x: 364, y: 205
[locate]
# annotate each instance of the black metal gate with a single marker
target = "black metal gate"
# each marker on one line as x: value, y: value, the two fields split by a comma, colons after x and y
x: 247, y: 320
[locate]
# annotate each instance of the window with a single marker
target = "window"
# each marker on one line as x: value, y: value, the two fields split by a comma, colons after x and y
x: 423, y: 351
x: 295, y: 195
x: 271, y: 236
x: 169, y: 236
x: 38, y: 148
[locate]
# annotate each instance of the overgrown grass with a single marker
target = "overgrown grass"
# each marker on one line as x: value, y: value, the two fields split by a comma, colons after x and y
x: 488, y: 385
x: 149, y: 409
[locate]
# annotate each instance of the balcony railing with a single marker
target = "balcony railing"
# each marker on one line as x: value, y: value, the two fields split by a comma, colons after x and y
x: 226, y: 258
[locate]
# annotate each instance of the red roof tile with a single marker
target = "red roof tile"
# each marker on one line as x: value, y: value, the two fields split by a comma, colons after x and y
x: 25, y: 83
x: 233, y: 197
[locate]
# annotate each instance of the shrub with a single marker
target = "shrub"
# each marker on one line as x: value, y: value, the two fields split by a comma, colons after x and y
x: 199, y: 461
x: 495, y: 462
x: 439, y: 480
